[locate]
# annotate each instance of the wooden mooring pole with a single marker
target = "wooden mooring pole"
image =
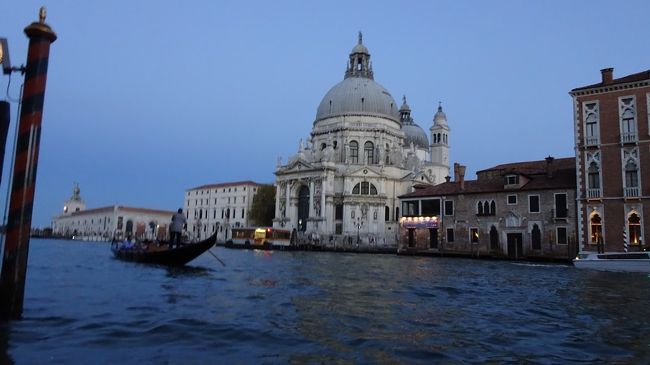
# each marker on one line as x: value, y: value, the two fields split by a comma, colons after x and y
x: 19, y: 221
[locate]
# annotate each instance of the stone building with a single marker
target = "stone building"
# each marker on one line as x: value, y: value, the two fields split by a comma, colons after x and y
x: 516, y: 210
x: 220, y: 206
x: 104, y: 223
x: 363, y: 152
x: 612, y: 145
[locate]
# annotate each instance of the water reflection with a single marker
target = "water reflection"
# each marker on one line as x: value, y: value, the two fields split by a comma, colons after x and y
x: 5, y: 358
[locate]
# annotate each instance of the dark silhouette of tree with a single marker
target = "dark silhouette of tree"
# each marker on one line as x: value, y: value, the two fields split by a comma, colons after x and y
x: 263, y: 206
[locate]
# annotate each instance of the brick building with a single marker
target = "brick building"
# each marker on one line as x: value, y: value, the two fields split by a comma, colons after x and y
x: 516, y: 210
x: 612, y: 145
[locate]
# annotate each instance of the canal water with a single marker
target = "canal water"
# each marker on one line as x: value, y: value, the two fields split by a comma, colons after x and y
x: 82, y: 306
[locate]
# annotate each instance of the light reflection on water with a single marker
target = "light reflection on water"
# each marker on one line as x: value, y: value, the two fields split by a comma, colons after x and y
x: 82, y: 306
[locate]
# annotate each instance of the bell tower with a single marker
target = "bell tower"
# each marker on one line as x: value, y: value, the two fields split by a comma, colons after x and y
x: 440, y: 139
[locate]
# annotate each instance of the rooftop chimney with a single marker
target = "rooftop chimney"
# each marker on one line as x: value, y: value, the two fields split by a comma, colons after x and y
x: 461, y: 176
x: 549, y: 166
x: 608, y: 75
x: 447, y: 178
x: 456, y: 165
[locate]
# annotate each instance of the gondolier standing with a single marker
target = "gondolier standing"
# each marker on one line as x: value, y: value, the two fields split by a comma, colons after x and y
x: 176, y: 228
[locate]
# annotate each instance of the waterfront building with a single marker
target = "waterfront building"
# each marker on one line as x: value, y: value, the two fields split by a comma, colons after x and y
x: 363, y: 152
x: 515, y: 210
x: 104, y: 223
x: 612, y: 146
x: 219, y: 206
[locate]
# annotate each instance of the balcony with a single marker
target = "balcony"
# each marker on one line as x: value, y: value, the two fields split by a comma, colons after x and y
x: 631, y: 192
x: 628, y: 137
x: 592, y: 141
x: 594, y: 193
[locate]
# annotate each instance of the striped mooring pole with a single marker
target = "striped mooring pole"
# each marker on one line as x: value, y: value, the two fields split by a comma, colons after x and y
x: 19, y: 221
x: 624, y: 240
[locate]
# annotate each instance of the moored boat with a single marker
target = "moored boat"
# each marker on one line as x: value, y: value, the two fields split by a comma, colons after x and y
x: 153, y: 254
x: 614, y: 261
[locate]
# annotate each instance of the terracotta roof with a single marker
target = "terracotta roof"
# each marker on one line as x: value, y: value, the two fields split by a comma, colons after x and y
x: 639, y: 76
x: 533, y: 167
x: 563, y: 177
x: 225, y: 185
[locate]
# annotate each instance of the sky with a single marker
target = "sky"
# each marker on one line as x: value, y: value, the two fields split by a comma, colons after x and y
x: 146, y: 99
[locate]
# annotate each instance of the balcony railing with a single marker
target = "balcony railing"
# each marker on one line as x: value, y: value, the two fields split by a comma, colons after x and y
x: 593, y: 193
x: 631, y: 192
x: 591, y: 140
x: 628, y: 137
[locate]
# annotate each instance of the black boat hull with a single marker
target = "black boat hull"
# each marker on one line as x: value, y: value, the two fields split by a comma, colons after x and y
x: 169, y: 257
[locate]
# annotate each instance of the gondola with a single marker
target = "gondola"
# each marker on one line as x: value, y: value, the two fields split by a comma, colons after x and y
x: 162, y: 255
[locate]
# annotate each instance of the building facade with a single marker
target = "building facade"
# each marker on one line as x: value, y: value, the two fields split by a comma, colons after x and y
x: 612, y: 146
x: 523, y: 210
x: 218, y: 207
x: 363, y: 152
x: 104, y: 223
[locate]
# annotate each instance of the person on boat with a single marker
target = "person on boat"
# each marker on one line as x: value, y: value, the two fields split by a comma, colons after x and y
x: 176, y: 228
x: 128, y: 243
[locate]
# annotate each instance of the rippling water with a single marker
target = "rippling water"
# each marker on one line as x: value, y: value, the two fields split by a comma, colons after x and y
x: 83, y: 306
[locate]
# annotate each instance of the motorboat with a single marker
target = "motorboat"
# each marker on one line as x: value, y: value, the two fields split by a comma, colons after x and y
x: 614, y: 261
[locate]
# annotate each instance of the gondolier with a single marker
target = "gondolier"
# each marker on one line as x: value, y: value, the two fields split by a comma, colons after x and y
x: 176, y: 228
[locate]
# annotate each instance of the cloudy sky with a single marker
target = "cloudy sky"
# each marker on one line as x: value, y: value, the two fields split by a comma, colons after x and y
x: 146, y: 99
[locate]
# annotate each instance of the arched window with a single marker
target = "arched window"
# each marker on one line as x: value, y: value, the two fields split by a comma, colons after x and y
x: 479, y: 208
x: 369, y: 152
x: 354, y: 152
x: 493, y: 208
x: 355, y: 190
x: 387, y: 214
x: 373, y: 190
x: 596, y: 229
x: 364, y: 188
x: 634, y: 228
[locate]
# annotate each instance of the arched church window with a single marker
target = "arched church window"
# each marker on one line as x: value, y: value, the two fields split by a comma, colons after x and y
x: 355, y: 190
x: 387, y: 214
x: 438, y: 137
x: 369, y: 152
x: 354, y: 152
x: 365, y: 188
x: 373, y: 190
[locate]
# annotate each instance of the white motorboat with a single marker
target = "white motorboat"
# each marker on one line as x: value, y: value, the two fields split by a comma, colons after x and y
x: 614, y: 261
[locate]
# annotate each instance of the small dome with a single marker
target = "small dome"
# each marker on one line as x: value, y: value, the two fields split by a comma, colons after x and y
x: 357, y: 96
x: 360, y: 48
x: 440, y: 117
x: 405, y: 107
x: 416, y: 135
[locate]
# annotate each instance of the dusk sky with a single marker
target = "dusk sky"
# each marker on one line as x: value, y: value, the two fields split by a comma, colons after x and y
x: 146, y: 99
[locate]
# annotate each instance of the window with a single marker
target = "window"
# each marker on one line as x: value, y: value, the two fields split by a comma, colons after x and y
x: 449, y: 207
x: 593, y: 176
x: 486, y: 208
x: 512, y: 179
x: 512, y: 199
x: 369, y: 152
x: 631, y: 177
x: 364, y: 188
x: 430, y: 207
x: 560, y: 205
x: 410, y: 208
x: 387, y: 214
x: 354, y: 152
x: 450, y: 235
x: 338, y: 212
x: 533, y: 203
x: 627, y: 111
x: 596, y: 228
x: 493, y: 208
x: 634, y: 228
x: 561, y: 236
x: 479, y: 208
x: 473, y: 235
x: 591, y: 117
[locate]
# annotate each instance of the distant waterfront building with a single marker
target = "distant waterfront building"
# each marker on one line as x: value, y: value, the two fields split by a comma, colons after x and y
x: 221, y: 206
x: 516, y: 210
x: 612, y: 146
x: 106, y: 222
x: 363, y: 152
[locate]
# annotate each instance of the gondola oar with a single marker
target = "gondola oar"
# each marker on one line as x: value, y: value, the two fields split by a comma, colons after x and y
x: 218, y: 259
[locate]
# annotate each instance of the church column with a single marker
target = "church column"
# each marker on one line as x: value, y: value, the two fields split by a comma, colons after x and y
x: 311, y: 197
x: 322, y: 197
x: 287, y: 202
x: 278, y: 212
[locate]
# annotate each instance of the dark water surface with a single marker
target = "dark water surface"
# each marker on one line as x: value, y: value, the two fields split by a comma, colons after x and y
x: 84, y: 307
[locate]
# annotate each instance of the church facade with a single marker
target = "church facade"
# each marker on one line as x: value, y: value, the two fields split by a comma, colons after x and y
x: 363, y: 152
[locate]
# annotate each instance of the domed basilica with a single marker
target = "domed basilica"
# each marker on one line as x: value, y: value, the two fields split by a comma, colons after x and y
x: 363, y: 152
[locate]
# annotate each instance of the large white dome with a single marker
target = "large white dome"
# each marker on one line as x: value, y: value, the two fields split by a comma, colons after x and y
x: 358, y: 96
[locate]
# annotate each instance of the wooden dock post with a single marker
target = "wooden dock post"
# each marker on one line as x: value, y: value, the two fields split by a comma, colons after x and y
x: 19, y: 222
